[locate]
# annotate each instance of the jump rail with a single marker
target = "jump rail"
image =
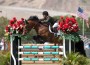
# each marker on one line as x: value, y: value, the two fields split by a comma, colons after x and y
x: 16, y: 52
x: 39, y: 59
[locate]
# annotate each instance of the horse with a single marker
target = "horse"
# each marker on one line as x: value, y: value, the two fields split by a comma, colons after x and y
x: 42, y: 30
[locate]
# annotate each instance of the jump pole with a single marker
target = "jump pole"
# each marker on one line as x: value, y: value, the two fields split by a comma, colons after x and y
x: 15, y: 41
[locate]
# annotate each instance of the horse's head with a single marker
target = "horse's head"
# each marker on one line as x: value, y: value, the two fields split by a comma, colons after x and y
x: 30, y: 24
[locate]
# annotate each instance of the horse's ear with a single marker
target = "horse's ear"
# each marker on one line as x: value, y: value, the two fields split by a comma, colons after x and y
x: 26, y: 22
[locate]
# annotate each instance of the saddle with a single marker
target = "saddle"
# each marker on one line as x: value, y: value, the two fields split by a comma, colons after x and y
x: 47, y: 25
x: 53, y: 29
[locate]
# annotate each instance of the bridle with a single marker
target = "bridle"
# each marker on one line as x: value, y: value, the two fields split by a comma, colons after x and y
x: 35, y: 25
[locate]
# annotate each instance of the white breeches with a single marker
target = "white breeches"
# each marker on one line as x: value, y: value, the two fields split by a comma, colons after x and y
x: 55, y: 25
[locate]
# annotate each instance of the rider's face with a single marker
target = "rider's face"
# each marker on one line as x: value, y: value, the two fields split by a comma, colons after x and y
x: 44, y: 16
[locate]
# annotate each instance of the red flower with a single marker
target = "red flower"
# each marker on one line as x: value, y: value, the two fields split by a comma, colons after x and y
x: 21, y: 22
x: 10, y: 33
x: 14, y: 18
x: 75, y: 26
x: 58, y: 28
x: 74, y: 30
x: 22, y: 19
x: 61, y: 24
x: 14, y: 26
x: 7, y: 29
x: 66, y: 20
x: 66, y: 26
x: 73, y: 20
x: 64, y: 31
x: 18, y: 23
x: 73, y: 16
x: 70, y: 23
x: 21, y: 26
x: 61, y: 17
x: 11, y: 22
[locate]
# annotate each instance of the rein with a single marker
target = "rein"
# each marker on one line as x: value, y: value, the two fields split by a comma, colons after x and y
x: 35, y: 25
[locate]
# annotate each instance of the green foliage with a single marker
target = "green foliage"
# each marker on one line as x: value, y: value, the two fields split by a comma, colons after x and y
x: 75, y: 59
x: 80, y: 23
x: 28, y: 37
x: 56, y: 17
x: 84, y: 1
x: 88, y: 61
x: 74, y: 37
x: 3, y: 23
x: 4, y: 58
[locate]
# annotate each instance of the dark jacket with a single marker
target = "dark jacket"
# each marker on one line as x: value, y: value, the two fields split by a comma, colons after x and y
x: 49, y: 20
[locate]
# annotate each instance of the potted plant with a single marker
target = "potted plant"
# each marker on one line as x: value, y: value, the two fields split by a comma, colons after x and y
x: 75, y: 59
x: 68, y: 27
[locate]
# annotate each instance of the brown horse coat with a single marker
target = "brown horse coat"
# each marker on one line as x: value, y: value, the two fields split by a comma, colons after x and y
x: 41, y: 29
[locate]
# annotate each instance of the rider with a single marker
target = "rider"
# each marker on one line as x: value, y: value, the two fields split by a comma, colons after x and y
x: 47, y: 18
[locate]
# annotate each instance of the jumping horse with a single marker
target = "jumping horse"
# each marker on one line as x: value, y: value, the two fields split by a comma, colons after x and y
x: 42, y: 30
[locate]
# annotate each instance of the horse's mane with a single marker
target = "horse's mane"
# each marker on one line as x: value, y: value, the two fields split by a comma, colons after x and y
x: 35, y: 18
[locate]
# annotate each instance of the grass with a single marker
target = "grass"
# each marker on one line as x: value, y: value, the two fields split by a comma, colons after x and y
x: 89, y: 61
x: 4, y: 58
